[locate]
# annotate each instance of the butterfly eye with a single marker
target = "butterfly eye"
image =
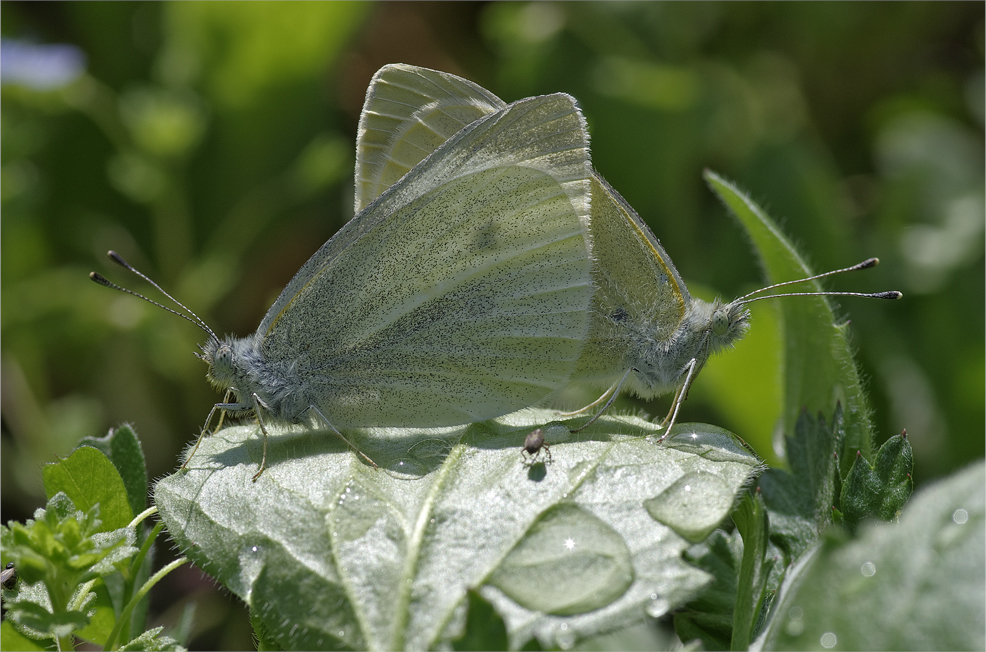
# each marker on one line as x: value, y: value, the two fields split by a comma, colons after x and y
x: 222, y: 362
x: 720, y: 322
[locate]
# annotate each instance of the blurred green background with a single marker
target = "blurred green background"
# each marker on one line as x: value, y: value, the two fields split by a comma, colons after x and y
x: 212, y: 146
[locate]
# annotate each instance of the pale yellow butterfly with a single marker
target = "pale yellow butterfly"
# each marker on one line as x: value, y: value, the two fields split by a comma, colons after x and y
x: 460, y: 293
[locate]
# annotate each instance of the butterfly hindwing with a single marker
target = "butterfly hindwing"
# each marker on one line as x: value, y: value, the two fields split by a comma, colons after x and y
x: 409, y: 113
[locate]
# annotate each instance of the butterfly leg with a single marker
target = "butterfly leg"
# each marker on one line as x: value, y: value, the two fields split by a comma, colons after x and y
x: 679, y: 398
x: 257, y: 404
x: 222, y: 414
x: 616, y: 392
x: 342, y: 437
x: 205, y: 429
x: 599, y: 400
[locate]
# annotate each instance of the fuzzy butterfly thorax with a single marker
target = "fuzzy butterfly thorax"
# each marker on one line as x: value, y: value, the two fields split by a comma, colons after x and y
x: 237, y: 365
x: 661, y: 363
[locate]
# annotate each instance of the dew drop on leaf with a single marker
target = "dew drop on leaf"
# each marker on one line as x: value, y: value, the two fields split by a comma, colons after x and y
x: 692, y: 506
x: 569, y: 562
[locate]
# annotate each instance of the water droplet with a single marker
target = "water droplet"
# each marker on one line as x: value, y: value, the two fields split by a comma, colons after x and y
x: 828, y: 640
x: 795, y: 613
x: 657, y: 607
x: 715, y: 444
x: 960, y: 516
x: 693, y: 505
x: 565, y: 640
x: 868, y: 569
x: 569, y: 562
x: 251, y: 559
x: 407, y: 469
x: 430, y: 450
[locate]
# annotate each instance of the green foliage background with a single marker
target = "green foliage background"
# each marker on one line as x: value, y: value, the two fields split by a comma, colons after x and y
x: 211, y: 145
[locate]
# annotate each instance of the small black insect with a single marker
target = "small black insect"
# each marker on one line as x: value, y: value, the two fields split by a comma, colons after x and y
x: 8, y: 577
x: 533, y: 445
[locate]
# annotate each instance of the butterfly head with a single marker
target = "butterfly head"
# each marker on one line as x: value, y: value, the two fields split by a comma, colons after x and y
x: 223, y: 361
x: 730, y: 322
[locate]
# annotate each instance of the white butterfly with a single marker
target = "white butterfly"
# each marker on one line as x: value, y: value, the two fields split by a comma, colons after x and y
x: 460, y: 293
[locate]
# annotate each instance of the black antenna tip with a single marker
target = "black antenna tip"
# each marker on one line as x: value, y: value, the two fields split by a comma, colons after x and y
x: 869, y: 262
x: 892, y: 294
x: 118, y: 259
x: 98, y: 278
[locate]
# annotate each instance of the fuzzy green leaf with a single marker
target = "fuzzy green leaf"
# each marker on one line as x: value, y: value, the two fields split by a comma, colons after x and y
x: 152, y: 641
x: 123, y: 448
x: 879, y: 491
x: 485, y: 629
x: 800, y: 501
x: 819, y: 371
x: 918, y: 584
x: 56, y: 555
x: 330, y: 552
x: 751, y: 521
x: 89, y: 478
x: 709, y: 617
x: 11, y: 639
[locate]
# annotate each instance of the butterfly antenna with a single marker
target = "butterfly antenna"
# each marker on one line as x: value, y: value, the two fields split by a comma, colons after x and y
x: 866, y: 264
x: 118, y: 259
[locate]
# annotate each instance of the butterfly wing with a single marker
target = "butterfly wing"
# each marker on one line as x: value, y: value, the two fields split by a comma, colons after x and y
x: 640, y: 297
x: 462, y: 292
x: 410, y: 112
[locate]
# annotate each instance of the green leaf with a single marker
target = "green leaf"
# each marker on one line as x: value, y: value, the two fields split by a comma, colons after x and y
x: 330, y: 552
x: 263, y: 638
x: 37, y: 618
x: 153, y: 641
x: 879, y: 491
x: 819, y: 371
x: 102, y: 617
x: 485, y: 629
x: 11, y: 639
x: 89, y: 478
x: 918, y: 584
x: 800, y: 501
x: 57, y: 554
x: 709, y: 617
x: 123, y: 448
x: 725, y: 615
x: 750, y: 517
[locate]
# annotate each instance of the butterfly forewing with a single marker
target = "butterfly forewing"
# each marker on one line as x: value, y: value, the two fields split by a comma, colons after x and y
x: 462, y: 293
